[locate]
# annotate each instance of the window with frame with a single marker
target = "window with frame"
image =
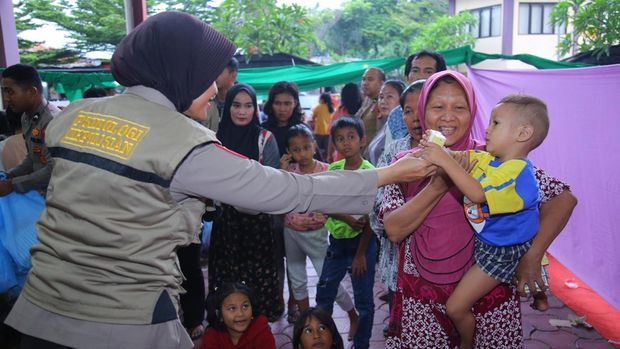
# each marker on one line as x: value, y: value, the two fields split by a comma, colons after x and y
x: 535, y: 18
x: 488, y: 22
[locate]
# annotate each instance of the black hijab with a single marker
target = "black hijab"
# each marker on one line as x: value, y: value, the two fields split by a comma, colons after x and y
x: 241, y: 139
x: 174, y: 53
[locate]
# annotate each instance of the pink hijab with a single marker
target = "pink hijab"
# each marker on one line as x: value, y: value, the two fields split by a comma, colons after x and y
x: 442, y: 246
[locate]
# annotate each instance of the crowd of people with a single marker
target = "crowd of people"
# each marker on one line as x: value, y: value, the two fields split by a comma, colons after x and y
x: 364, y: 189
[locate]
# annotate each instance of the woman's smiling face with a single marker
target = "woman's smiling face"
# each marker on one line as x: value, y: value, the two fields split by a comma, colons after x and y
x: 447, y: 111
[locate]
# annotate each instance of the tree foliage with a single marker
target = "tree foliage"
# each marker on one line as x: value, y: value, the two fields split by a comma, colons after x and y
x: 49, y: 57
x: 29, y: 52
x: 96, y: 24
x: 262, y: 26
x: 91, y: 24
x: 361, y: 29
x: 445, y: 33
x: 595, y: 25
x: 379, y: 28
x: 255, y: 26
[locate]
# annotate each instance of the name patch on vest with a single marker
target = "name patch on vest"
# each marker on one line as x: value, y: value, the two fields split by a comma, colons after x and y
x: 105, y: 134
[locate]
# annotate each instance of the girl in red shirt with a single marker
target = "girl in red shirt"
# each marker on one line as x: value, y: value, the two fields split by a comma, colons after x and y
x: 233, y: 324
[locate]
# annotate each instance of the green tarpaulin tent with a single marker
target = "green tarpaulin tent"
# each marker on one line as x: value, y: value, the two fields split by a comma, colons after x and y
x: 468, y: 56
x: 309, y: 77
x: 306, y: 77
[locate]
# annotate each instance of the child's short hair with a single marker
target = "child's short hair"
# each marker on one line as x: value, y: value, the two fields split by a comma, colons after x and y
x: 25, y: 76
x: 324, y: 318
x: 533, y: 111
x: 216, y: 298
x: 298, y: 130
x: 347, y: 121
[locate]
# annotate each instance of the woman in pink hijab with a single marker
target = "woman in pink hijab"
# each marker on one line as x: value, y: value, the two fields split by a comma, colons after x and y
x: 436, y: 242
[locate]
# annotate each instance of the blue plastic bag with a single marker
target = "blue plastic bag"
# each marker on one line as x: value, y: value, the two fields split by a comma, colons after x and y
x: 18, y: 215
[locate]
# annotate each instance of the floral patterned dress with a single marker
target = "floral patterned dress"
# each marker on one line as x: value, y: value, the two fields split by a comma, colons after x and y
x: 243, y: 250
x: 418, y: 316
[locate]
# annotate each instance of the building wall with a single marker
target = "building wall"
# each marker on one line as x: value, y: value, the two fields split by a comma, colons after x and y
x: 462, y: 5
x: 542, y: 45
x: 491, y: 44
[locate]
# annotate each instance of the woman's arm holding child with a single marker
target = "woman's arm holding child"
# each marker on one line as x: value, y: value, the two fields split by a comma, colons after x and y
x: 554, y: 215
x: 401, y: 221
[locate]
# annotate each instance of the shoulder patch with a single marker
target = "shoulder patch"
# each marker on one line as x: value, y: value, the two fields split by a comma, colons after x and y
x: 105, y: 134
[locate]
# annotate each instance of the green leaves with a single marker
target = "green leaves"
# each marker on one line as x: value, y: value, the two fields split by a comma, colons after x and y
x: 447, y: 32
x: 262, y: 26
x: 380, y: 28
x: 595, y: 25
x: 361, y: 29
x: 93, y: 24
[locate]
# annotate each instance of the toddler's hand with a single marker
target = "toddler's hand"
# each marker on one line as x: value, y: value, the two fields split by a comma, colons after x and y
x: 424, y: 141
x: 435, y: 154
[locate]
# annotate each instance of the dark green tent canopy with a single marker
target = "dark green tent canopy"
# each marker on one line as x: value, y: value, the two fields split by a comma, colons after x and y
x: 468, y: 56
x: 309, y: 77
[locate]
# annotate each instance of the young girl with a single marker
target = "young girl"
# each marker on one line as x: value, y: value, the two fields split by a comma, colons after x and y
x: 304, y: 233
x: 315, y: 329
x: 234, y: 323
x: 242, y: 245
x: 283, y: 110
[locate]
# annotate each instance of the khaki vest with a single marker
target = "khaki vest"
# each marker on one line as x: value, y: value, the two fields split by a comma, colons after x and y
x: 110, y: 230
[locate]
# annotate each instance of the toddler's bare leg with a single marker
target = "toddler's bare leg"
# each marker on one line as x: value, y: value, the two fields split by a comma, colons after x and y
x: 473, y: 286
